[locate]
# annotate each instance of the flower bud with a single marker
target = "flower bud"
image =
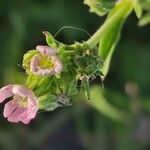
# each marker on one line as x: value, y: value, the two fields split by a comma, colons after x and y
x: 43, y: 61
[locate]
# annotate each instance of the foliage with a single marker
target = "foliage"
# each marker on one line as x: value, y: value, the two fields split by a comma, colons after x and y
x: 20, y: 31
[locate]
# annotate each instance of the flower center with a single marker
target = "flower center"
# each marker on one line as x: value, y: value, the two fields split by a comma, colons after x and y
x: 46, y: 62
x: 23, y: 101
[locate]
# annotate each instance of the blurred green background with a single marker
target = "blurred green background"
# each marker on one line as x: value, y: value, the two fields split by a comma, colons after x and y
x: 79, y: 127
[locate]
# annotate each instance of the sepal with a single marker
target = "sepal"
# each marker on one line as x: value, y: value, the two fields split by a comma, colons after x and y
x: 27, y: 58
x: 50, y: 39
x: 48, y: 102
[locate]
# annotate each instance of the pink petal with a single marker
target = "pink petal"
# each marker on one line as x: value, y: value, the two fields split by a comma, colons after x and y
x: 32, y: 113
x: 58, y: 64
x: 34, y: 67
x: 46, y: 50
x: 24, y: 116
x: 6, y: 92
x: 21, y: 90
x: 45, y: 72
x: 34, y: 63
x: 10, y: 107
x: 14, y: 116
x: 28, y: 115
x: 58, y: 67
x: 25, y: 121
x: 32, y: 101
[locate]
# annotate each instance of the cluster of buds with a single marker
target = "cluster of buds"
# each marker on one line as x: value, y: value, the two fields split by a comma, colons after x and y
x: 88, y: 63
x: 52, y: 71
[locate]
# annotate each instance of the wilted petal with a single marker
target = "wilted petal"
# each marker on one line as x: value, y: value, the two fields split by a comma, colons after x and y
x: 6, y: 92
x: 46, y: 50
x: 10, y: 107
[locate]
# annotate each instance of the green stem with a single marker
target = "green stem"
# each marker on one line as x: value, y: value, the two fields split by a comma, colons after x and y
x: 125, y: 5
x: 100, y: 103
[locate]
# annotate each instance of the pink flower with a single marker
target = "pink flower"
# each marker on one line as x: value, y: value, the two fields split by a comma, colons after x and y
x: 23, y: 106
x: 46, y: 62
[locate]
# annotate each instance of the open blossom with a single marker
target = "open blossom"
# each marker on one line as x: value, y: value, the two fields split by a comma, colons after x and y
x: 45, y: 62
x: 23, y: 106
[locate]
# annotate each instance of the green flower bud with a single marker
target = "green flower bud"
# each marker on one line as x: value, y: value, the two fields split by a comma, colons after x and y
x: 88, y: 63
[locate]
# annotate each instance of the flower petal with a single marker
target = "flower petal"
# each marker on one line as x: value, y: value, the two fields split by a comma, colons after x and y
x: 34, y: 67
x: 58, y: 67
x: 58, y: 64
x: 32, y: 101
x: 24, y: 116
x: 14, y: 116
x: 28, y: 115
x: 10, y: 107
x: 32, y: 112
x: 34, y: 63
x: 6, y: 92
x: 21, y: 90
x: 25, y: 121
x: 45, y: 72
x: 46, y: 50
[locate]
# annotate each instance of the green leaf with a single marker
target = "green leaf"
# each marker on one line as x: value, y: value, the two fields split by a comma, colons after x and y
x: 144, y: 20
x: 32, y: 80
x: 49, y: 39
x: 111, y: 34
x: 48, y: 102
x: 27, y: 58
x: 137, y: 7
x: 100, y: 7
x: 99, y: 102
